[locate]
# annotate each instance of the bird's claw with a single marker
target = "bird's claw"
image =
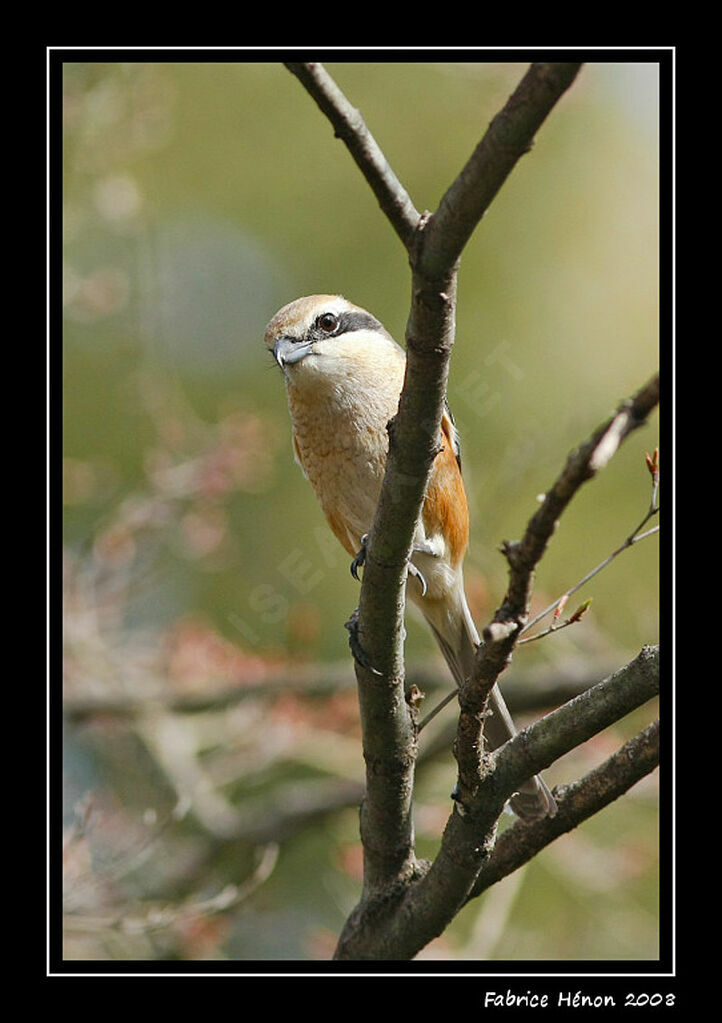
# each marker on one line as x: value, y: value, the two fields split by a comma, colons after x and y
x: 417, y: 573
x: 360, y: 558
x: 421, y: 548
x: 357, y: 650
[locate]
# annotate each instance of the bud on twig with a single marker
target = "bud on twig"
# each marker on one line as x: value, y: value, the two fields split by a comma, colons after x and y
x: 414, y: 697
x: 560, y: 607
x: 580, y: 611
x: 653, y: 464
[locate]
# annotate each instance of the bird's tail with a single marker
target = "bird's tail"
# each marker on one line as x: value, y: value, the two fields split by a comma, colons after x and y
x: 458, y: 639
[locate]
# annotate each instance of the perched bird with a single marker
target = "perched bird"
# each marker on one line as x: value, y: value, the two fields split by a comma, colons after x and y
x: 344, y: 374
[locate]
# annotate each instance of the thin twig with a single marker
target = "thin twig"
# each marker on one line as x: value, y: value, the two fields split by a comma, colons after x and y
x: 509, y: 136
x: 634, y: 537
x: 350, y: 127
x: 160, y: 917
x: 553, y: 628
x: 629, y: 542
x: 438, y: 708
x: 502, y: 634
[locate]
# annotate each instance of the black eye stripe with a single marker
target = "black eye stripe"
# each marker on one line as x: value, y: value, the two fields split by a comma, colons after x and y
x: 348, y: 321
x: 357, y: 320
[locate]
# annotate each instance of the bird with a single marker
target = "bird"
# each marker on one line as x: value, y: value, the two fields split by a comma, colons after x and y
x: 344, y: 374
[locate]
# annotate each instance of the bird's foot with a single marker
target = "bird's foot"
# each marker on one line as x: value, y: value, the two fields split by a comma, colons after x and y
x: 357, y: 650
x: 418, y: 574
x: 420, y: 547
x: 360, y: 558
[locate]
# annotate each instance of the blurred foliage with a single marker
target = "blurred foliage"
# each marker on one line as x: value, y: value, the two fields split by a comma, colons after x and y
x: 198, y: 198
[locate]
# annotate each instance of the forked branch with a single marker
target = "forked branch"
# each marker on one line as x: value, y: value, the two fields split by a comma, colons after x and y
x: 434, y: 243
x: 404, y: 902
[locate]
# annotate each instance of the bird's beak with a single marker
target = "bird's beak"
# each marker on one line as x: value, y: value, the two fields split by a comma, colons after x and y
x: 287, y: 350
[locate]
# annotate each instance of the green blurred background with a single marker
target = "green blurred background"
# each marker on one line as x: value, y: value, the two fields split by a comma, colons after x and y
x: 199, y: 197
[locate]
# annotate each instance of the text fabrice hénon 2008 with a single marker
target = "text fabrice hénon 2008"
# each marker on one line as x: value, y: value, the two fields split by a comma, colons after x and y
x: 573, y: 1000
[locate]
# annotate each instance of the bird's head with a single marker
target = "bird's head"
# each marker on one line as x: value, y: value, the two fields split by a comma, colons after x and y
x: 319, y: 330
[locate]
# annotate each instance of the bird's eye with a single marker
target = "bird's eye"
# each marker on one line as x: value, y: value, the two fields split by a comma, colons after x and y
x: 328, y: 322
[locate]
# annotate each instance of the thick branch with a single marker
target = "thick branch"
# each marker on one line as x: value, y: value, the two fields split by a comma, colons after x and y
x: 388, y: 729
x: 406, y: 905
x: 388, y: 732
x: 429, y: 342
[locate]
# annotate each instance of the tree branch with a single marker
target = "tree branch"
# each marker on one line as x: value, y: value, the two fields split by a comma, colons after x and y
x: 413, y: 446
x: 582, y: 465
x: 350, y: 127
x: 572, y: 724
x: 160, y: 917
x: 389, y: 738
x: 400, y: 928
x: 469, y: 834
x: 509, y: 136
x: 523, y: 691
x: 403, y: 903
x: 575, y: 803
x: 502, y: 634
